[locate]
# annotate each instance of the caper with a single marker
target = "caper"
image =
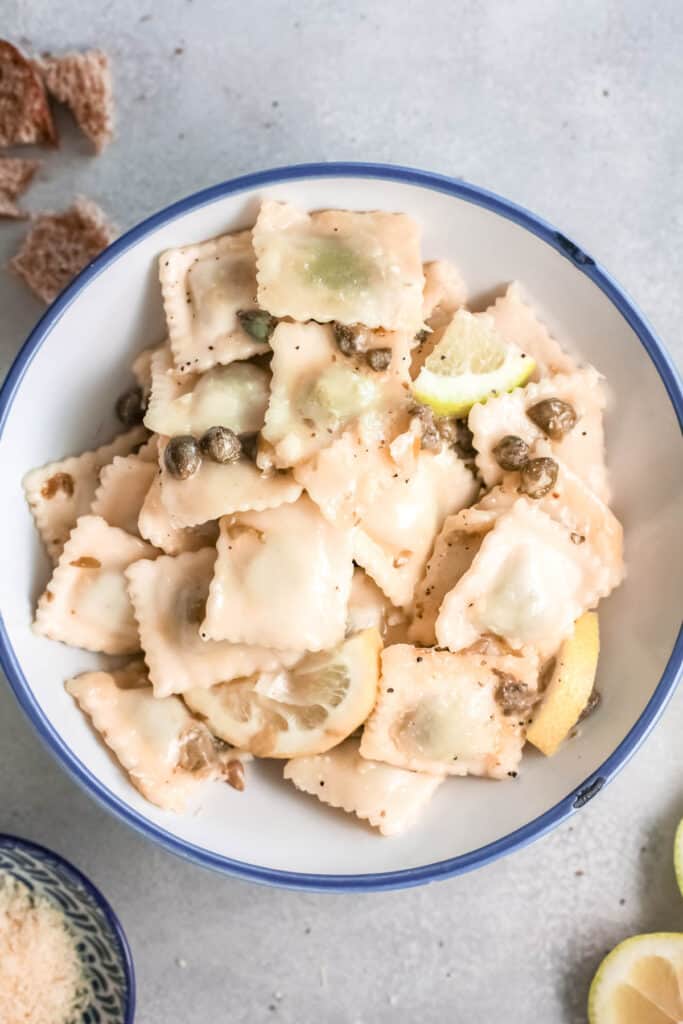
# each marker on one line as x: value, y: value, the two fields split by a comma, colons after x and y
x: 511, y: 452
x: 554, y: 417
x: 258, y: 324
x: 347, y: 337
x: 249, y: 444
x: 182, y: 458
x: 221, y: 444
x: 378, y: 359
x: 131, y: 407
x: 537, y: 477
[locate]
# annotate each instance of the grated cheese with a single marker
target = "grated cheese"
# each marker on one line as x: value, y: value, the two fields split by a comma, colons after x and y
x: 41, y: 980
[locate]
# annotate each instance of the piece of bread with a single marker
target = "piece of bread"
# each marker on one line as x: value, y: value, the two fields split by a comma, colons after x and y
x: 24, y: 111
x: 83, y: 82
x: 60, y: 245
x: 15, y: 176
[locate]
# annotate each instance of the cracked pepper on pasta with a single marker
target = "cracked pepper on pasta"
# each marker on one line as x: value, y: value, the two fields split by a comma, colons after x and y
x: 350, y: 525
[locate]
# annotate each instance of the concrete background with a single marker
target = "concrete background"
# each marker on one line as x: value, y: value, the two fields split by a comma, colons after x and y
x: 572, y: 109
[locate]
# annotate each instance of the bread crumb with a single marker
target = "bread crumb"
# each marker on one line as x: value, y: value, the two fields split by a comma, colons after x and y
x: 41, y: 977
x: 15, y: 177
x: 60, y: 245
x: 83, y: 82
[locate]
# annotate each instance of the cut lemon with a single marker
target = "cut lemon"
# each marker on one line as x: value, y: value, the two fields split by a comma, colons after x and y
x: 469, y: 364
x: 640, y: 982
x: 304, y: 710
x: 569, y: 688
x: 678, y: 857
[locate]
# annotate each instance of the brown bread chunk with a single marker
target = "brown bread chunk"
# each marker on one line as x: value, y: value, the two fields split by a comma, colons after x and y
x: 24, y: 111
x: 83, y: 82
x: 15, y: 177
x: 59, y: 246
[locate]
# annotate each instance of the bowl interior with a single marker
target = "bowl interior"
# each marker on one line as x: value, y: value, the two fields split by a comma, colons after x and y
x: 99, y: 940
x: 63, y: 406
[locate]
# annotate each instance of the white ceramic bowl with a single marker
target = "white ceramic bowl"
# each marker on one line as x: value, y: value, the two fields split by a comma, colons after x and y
x: 57, y: 400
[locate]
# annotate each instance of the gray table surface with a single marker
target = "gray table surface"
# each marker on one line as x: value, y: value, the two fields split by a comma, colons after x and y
x: 573, y: 109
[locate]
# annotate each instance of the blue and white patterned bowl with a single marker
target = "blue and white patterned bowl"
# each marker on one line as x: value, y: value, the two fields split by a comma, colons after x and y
x: 100, y: 941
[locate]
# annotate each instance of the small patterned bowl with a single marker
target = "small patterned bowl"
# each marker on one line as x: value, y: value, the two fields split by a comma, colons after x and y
x: 100, y: 941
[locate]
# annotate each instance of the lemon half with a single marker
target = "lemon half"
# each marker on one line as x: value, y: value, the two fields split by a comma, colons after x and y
x: 678, y: 858
x: 469, y: 364
x: 299, y: 711
x: 639, y: 982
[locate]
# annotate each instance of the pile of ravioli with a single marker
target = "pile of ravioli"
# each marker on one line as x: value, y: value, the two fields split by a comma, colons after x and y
x: 346, y: 596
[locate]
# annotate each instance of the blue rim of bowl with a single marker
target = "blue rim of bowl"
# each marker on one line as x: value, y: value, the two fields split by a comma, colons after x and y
x: 42, y: 853
x: 514, y: 840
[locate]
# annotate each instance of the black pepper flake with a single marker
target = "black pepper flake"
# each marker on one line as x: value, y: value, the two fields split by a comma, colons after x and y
x: 513, y: 775
x: 419, y: 659
x: 390, y: 689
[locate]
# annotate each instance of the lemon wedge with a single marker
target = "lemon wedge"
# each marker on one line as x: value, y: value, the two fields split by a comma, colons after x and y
x: 678, y: 856
x: 569, y: 688
x: 300, y: 711
x: 638, y: 982
x: 469, y: 364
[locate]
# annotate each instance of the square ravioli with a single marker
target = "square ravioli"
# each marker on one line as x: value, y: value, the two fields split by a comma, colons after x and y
x: 317, y: 390
x: 391, y: 799
x: 169, y: 599
x: 166, y: 752
x: 516, y: 321
x: 124, y: 485
x: 369, y: 608
x: 445, y: 713
x: 233, y: 396
x: 583, y: 516
x: 528, y: 583
x: 156, y: 526
x: 581, y: 448
x: 282, y: 578
x: 397, y: 496
x: 86, y: 603
x: 444, y: 293
x: 204, y: 287
x: 62, y: 491
x: 221, y: 489
x: 338, y: 265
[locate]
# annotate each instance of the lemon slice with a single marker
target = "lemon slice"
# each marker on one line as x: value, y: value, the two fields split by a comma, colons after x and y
x: 638, y: 982
x: 569, y: 688
x: 678, y: 856
x: 470, y: 364
x: 304, y: 710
